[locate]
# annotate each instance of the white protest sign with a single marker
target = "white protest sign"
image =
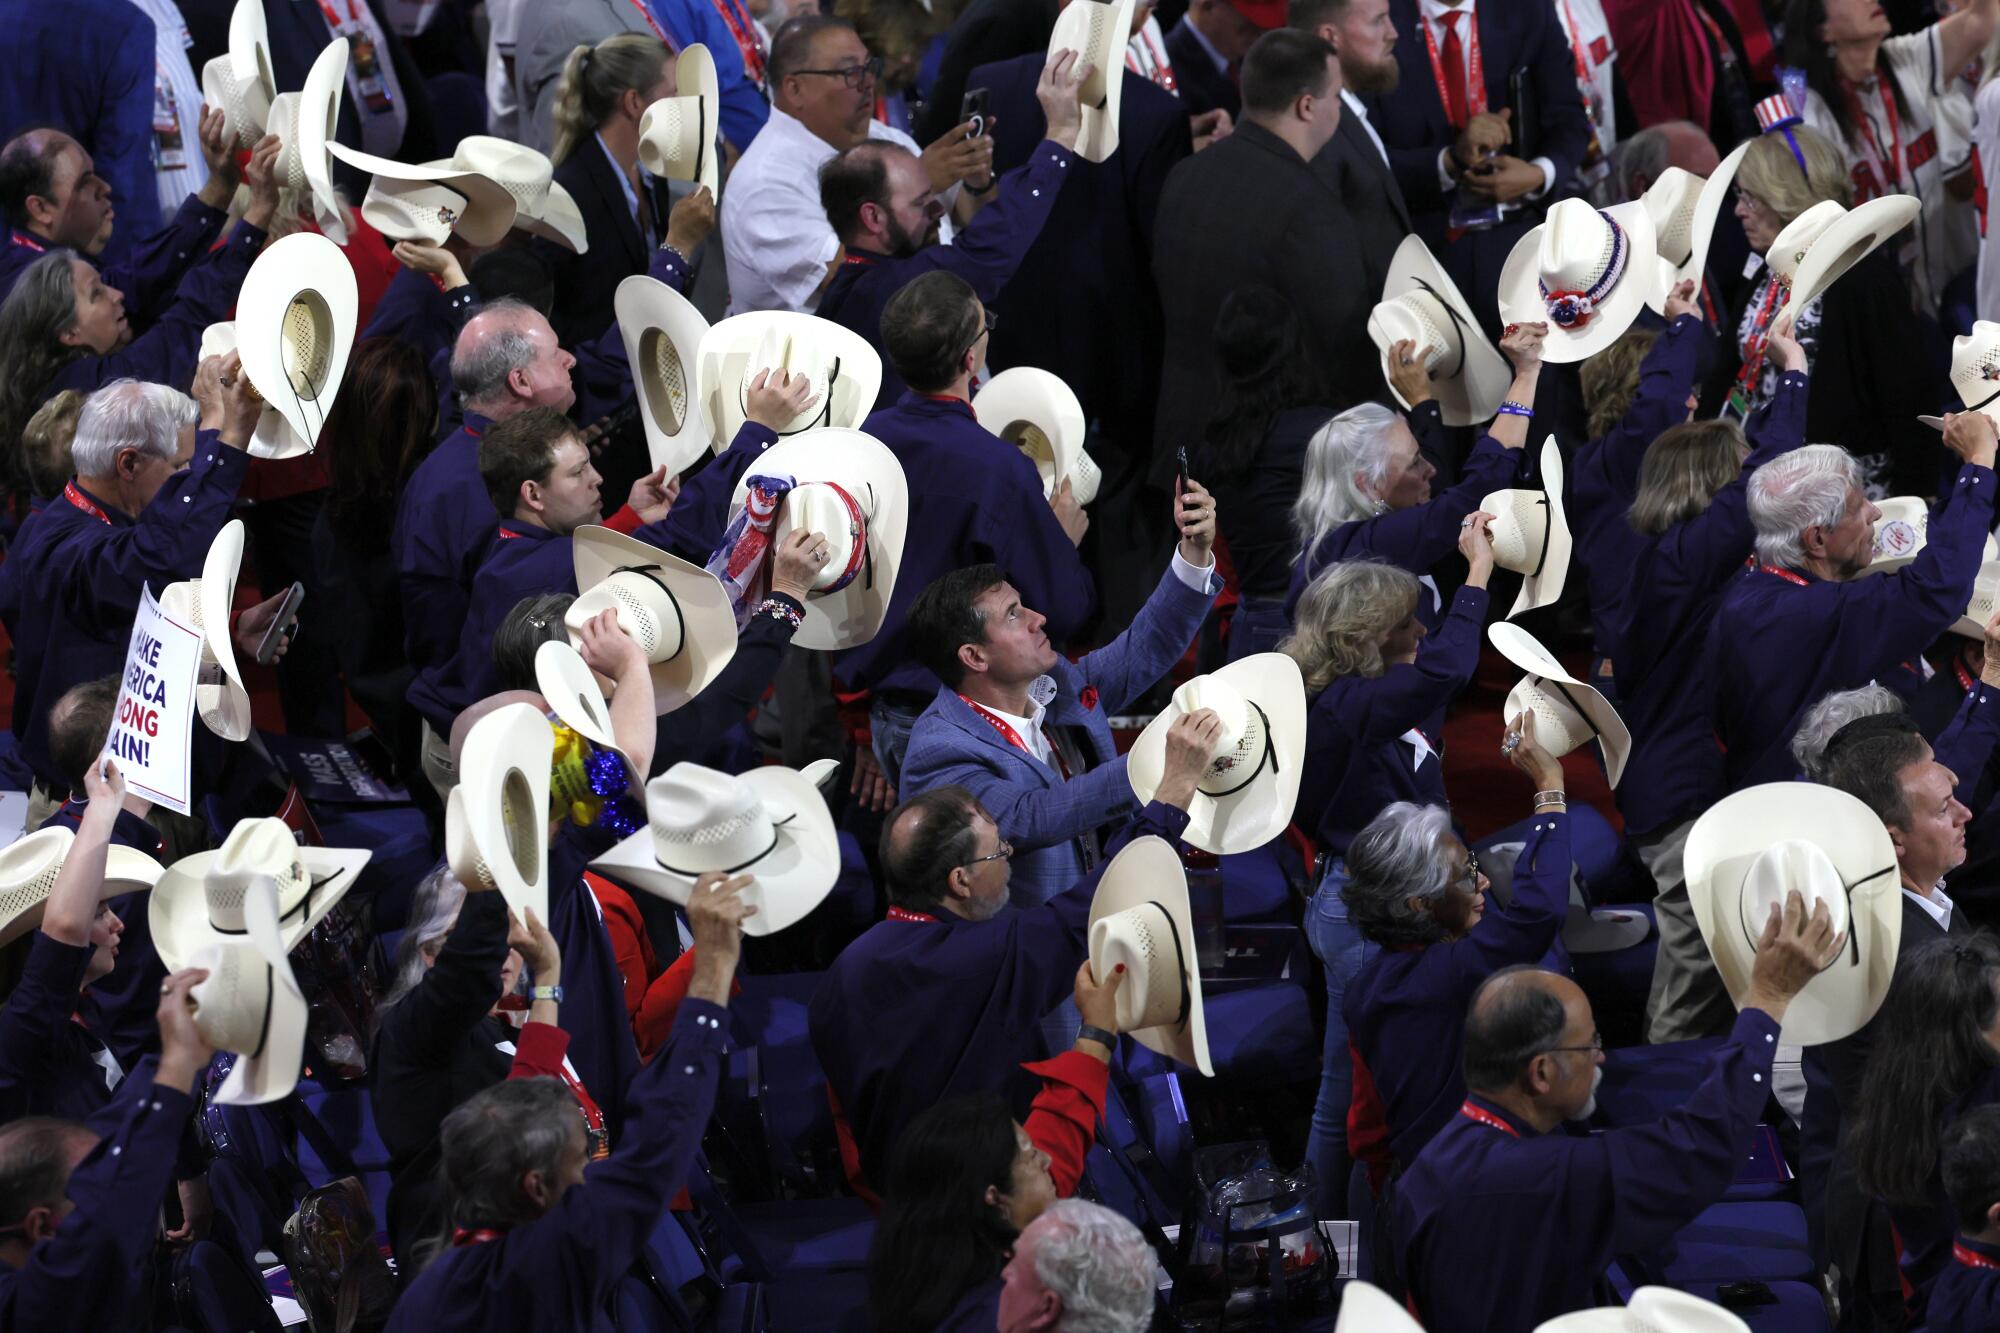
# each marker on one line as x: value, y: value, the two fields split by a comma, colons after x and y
x: 152, y: 731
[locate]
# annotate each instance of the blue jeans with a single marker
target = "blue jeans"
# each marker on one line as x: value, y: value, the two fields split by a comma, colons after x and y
x: 1257, y: 626
x: 1343, y: 952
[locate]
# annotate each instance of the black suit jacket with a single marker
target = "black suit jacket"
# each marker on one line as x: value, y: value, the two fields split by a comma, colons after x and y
x: 1092, y: 262
x: 586, y: 283
x: 1203, y: 86
x: 1368, y: 190
x: 1248, y: 209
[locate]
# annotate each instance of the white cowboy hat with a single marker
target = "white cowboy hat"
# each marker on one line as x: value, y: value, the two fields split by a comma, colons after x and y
x: 1900, y: 534
x: 296, y: 316
x: 199, y: 900
x: 204, y: 605
x: 1097, y: 33
x: 1420, y: 303
x: 1366, y: 1308
x: 542, y: 207
x: 570, y: 687
x: 1585, y: 272
x: 1684, y: 208
x: 274, y: 436
x: 240, y: 83
x: 1826, y: 240
x: 1039, y: 414
x: 677, y: 134
x: 844, y: 371
x: 1651, y: 1310
x: 496, y: 820
x: 1245, y: 798
x: 430, y: 202
x: 1140, y: 917
x: 663, y: 332
x: 1751, y: 847
x: 678, y: 613
x: 1531, y: 534
x: 1975, y: 372
x: 1569, y: 713
x: 865, y: 542
x: 251, y: 1004
x: 1985, y: 601
x: 305, y: 121
x: 770, y: 823
x: 28, y: 868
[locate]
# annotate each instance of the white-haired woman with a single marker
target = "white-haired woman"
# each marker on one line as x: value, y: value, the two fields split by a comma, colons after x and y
x: 1366, y: 494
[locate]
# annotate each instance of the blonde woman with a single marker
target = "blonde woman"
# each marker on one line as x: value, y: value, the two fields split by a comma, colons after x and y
x: 1378, y: 698
x: 627, y: 212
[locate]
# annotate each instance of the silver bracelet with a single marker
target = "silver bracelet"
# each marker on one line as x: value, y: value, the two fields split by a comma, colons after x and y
x: 1551, y: 798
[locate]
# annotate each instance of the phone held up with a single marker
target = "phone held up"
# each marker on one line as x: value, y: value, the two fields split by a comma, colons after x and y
x: 973, y: 108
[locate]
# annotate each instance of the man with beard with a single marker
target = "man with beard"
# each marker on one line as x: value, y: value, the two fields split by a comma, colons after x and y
x: 1355, y: 163
x: 1502, y: 1192
x: 880, y: 203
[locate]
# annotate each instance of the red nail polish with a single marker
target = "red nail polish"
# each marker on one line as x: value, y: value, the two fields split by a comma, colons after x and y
x: 1119, y: 968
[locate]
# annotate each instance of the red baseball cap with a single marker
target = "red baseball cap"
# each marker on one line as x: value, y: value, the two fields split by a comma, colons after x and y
x: 1266, y: 14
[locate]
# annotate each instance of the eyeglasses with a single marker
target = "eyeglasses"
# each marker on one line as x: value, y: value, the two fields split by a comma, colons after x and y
x: 1596, y: 1045
x: 1006, y: 853
x: 1750, y: 201
x: 992, y: 322
x: 1471, y: 876
x: 854, y: 76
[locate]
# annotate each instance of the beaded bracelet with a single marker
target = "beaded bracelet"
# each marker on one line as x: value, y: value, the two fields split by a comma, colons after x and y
x: 778, y: 610
x: 1510, y: 408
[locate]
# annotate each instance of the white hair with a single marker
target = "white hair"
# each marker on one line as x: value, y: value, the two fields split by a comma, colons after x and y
x: 1355, y: 442
x: 1805, y: 488
x: 129, y: 414
x: 1829, y: 715
x: 1099, y: 1264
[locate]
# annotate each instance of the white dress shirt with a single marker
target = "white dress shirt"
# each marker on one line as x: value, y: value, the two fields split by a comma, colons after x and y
x: 176, y: 94
x: 1937, y: 904
x: 1355, y: 108
x: 775, y: 236
x: 1433, y: 14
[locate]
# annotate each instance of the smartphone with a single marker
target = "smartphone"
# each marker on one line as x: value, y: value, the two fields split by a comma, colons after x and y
x: 972, y: 107
x: 281, y: 624
x: 1180, y: 471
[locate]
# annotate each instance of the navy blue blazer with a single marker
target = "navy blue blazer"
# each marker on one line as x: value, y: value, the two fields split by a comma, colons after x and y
x: 1782, y: 646
x: 149, y: 274
x: 985, y: 254
x: 973, y: 498
x: 1540, y: 1216
x: 1202, y: 86
x: 1040, y: 812
x: 587, y: 283
x: 71, y: 584
x: 914, y: 1012
x: 1097, y: 247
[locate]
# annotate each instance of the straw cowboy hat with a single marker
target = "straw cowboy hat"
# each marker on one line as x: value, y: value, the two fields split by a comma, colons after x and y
x: 1421, y: 304
x: 844, y: 371
x: 240, y: 82
x: 678, y: 613
x: 1140, y: 917
x: 430, y: 202
x: 1038, y: 414
x: 1531, y: 534
x: 1684, y: 208
x: 663, y: 332
x: 295, y: 324
x: 251, y: 1004
x: 274, y: 436
x: 204, y: 606
x: 1902, y: 533
x: 1985, y: 601
x: 1245, y: 798
x: 770, y: 823
x: 1569, y: 713
x: 200, y: 898
x: 677, y: 134
x: 848, y: 487
x: 570, y: 688
x: 1097, y: 33
x: 1585, y: 272
x: 1750, y: 848
x: 1826, y: 240
x: 1366, y: 1308
x: 304, y: 120
x: 1651, y: 1310
x: 496, y: 820
x: 542, y: 207
x: 28, y: 868
x: 1975, y: 372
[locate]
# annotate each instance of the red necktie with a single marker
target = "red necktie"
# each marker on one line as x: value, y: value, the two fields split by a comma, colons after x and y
x: 1454, y: 72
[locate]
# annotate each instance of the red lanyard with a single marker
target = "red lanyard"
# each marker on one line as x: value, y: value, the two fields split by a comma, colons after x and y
x: 1475, y: 73
x: 1971, y: 1258
x: 1885, y: 172
x: 508, y: 536
x: 333, y: 19
x: 593, y: 1116
x: 1155, y: 66
x: 1013, y: 737
x: 959, y: 403
x: 82, y: 501
x: 1753, y: 346
x: 902, y: 914
x: 1965, y: 681
x: 744, y: 30
x: 462, y: 1236
x: 1785, y: 574
x: 28, y: 242
x: 1584, y: 83
x: 647, y: 14
x: 864, y: 261
x: 1486, y: 1117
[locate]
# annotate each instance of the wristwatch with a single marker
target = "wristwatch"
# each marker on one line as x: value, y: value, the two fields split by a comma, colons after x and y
x: 546, y: 993
x: 1105, y: 1039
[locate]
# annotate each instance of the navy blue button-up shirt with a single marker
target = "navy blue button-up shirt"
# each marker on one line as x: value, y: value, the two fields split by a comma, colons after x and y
x: 149, y: 275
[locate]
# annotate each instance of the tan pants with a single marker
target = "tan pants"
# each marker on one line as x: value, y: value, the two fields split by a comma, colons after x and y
x: 435, y: 760
x: 1687, y: 999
